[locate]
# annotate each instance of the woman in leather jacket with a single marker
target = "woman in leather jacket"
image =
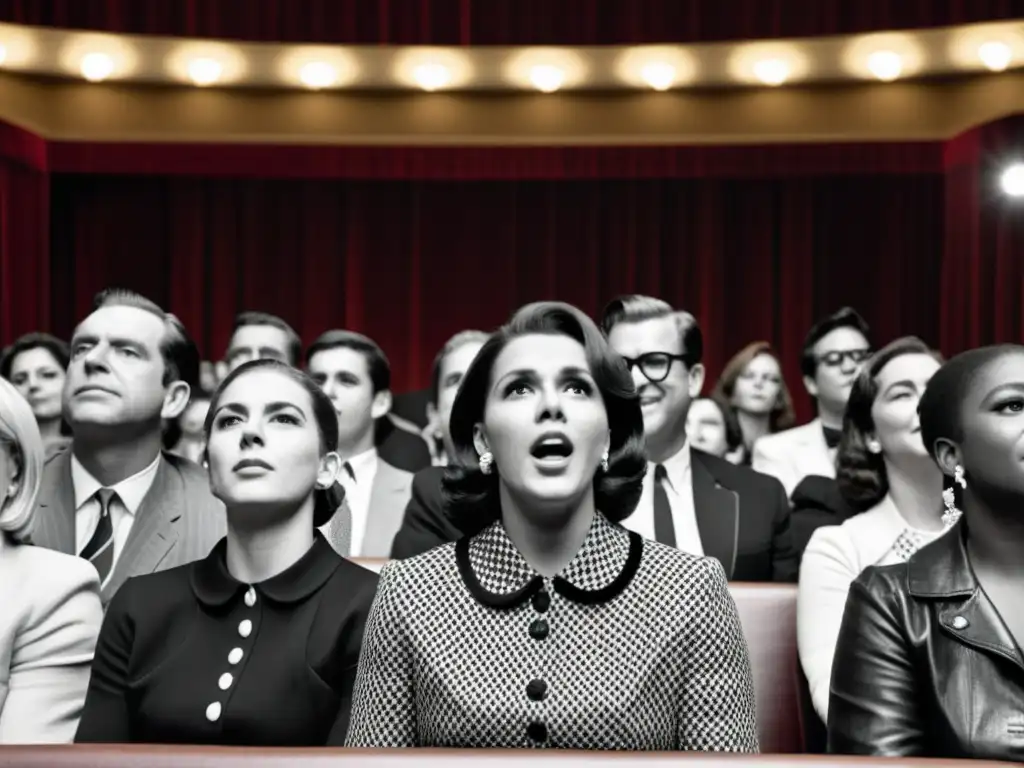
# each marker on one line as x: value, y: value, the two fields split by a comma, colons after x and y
x: 929, y: 658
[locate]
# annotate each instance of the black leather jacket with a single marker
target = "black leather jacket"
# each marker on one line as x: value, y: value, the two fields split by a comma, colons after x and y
x: 924, y: 665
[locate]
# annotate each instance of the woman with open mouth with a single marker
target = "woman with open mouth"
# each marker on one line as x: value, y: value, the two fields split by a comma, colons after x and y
x: 258, y: 643
x: 549, y: 624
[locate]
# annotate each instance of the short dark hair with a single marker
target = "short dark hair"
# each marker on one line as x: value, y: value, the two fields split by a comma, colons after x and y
x: 941, y: 406
x: 325, y: 504
x: 376, y: 361
x: 457, y: 341
x: 636, y: 308
x: 860, y: 474
x: 244, y: 319
x: 56, y: 347
x: 472, y: 496
x: 179, y: 352
x: 847, y: 317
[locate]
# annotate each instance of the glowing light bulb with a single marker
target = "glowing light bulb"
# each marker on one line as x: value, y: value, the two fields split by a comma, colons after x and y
x: 96, y: 67
x: 995, y: 56
x: 205, y: 71
x: 885, y: 65
x: 3, y: 53
x: 432, y: 77
x: 1012, y: 180
x: 318, y: 74
x: 659, y: 76
x: 546, y: 78
x: 771, y: 71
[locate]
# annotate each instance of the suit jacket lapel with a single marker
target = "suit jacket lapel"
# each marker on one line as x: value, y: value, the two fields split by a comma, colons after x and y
x: 718, y: 515
x: 816, y: 452
x: 55, y: 524
x: 153, y: 532
x: 385, y: 513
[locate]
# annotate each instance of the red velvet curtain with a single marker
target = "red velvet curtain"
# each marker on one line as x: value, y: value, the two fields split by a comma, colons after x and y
x: 24, y: 230
x: 410, y: 263
x: 983, y: 265
x: 503, y: 22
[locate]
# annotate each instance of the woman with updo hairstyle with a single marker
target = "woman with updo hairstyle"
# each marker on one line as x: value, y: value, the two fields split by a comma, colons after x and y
x: 35, y: 364
x: 885, y: 474
x: 258, y: 643
x: 752, y: 384
x: 549, y: 624
x: 929, y: 662
x: 50, y: 610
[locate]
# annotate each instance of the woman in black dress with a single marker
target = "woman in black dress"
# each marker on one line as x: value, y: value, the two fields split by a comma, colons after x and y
x: 929, y: 660
x: 258, y: 643
x: 552, y: 625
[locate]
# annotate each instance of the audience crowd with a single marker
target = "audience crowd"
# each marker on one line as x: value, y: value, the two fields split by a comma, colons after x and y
x: 561, y: 513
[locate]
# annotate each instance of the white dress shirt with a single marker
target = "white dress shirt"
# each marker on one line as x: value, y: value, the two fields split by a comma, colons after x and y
x: 358, y: 493
x: 679, y: 489
x: 130, y: 493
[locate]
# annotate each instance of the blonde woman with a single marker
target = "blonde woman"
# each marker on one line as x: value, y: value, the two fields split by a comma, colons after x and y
x: 50, y: 616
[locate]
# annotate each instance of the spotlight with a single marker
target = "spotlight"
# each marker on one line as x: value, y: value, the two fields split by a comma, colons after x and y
x: 318, y: 74
x: 96, y: 67
x: 431, y: 77
x: 659, y: 76
x: 885, y: 65
x: 771, y: 71
x: 3, y: 53
x: 547, y: 78
x: 995, y: 56
x: 1012, y: 180
x: 205, y: 71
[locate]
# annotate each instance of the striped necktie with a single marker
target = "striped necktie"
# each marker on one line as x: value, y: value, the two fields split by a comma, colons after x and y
x: 100, y: 548
x: 339, y: 532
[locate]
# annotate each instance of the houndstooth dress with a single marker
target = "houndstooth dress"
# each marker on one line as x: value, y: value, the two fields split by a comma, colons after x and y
x: 635, y: 646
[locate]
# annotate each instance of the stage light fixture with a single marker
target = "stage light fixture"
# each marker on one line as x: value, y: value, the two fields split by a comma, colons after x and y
x: 96, y: 67
x: 546, y: 78
x: 432, y: 77
x: 318, y: 74
x: 205, y: 71
x: 885, y: 65
x: 1012, y: 180
x: 995, y: 56
x: 3, y: 53
x: 659, y: 75
x: 771, y: 71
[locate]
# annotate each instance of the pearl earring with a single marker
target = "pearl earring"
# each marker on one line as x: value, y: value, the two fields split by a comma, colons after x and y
x: 486, y: 462
x: 604, y: 461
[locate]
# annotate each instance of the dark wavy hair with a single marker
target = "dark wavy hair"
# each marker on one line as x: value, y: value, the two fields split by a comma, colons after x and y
x: 941, y: 406
x: 472, y: 496
x: 325, y: 501
x: 733, y: 433
x: 57, y: 348
x: 860, y: 473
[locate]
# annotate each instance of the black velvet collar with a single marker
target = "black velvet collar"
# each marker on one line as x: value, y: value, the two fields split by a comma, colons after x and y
x: 214, y: 586
x: 498, y: 576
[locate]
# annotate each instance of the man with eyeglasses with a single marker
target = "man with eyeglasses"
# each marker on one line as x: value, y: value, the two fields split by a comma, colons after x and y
x: 832, y: 355
x: 691, y: 500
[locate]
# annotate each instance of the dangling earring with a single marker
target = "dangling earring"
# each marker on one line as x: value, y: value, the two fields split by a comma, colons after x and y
x: 486, y: 462
x: 952, y: 513
x: 604, y: 461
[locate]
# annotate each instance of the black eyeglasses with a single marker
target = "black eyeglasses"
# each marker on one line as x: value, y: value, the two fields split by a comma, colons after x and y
x: 835, y: 358
x: 654, y: 365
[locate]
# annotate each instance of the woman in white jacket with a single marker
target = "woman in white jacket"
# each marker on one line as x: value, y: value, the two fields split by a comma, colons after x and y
x: 50, y: 610
x: 884, y: 471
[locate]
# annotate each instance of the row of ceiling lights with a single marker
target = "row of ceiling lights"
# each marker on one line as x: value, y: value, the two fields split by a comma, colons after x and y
x: 661, y: 75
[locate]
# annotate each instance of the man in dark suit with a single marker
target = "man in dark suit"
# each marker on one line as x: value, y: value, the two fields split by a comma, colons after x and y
x: 692, y: 500
x: 112, y: 497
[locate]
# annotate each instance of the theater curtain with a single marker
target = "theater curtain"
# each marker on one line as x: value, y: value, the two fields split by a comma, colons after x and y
x: 24, y: 230
x: 983, y: 265
x: 410, y: 263
x: 503, y: 22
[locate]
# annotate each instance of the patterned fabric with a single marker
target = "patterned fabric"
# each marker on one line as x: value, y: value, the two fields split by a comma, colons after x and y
x: 908, y: 542
x: 635, y: 646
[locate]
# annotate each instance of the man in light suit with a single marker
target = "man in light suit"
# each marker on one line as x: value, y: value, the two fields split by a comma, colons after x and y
x: 832, y: 355
x: 355, y: 374
x: 113, y: 497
